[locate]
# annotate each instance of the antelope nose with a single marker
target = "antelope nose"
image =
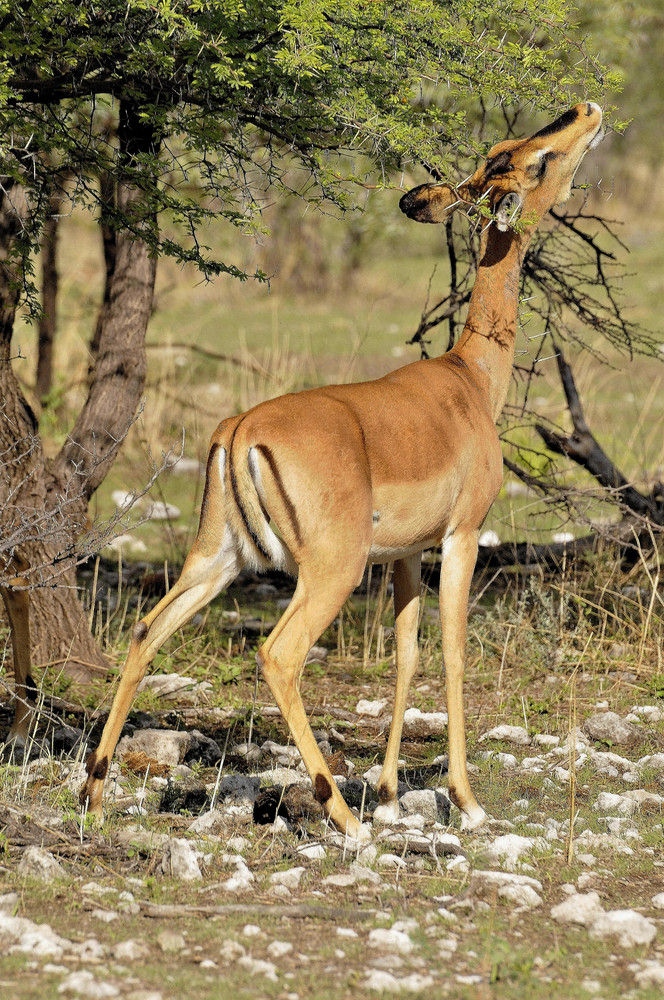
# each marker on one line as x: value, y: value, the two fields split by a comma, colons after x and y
x: 593, y: 107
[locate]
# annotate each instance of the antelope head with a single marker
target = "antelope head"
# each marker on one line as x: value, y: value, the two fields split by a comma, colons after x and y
x: 526, y: 176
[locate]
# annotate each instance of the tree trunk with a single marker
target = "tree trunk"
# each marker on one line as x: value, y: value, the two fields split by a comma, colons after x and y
x: 107, y: 198
x: 43, y: 504
x: 48, y: 319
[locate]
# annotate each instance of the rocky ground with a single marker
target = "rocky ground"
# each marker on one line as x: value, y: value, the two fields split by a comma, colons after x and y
x: 214, y: 875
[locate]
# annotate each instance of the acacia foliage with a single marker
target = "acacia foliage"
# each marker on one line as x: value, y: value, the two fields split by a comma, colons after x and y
x: 234, y: 92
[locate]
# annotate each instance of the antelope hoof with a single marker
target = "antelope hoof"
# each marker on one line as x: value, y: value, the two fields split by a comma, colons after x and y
x: 360, y: 834
x: 473, y: 818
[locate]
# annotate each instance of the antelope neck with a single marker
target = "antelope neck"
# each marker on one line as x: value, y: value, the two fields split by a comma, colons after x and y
x: 488, y: 338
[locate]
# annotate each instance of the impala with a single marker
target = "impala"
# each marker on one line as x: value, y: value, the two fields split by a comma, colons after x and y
x: 322, y: 482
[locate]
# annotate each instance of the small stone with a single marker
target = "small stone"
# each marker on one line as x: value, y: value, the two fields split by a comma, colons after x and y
x: 180, y: 860
x: 658, y: 901
x: 290, y: 878
x: 259, y: 967
x: 84, y: 983
x: 159, y: 510
x: 524, y: 896
x: 650, y: 973
x: 166, y: 746
x: 9, y: 902
x: 510, y: 734
x: 372, y: 709
x: 130, y: 950
x: 314, y: 852
x: 277, y: 949
x: 389, y: 939
x: 544, y: 740
x: 423, y: 725
x: 391, y: 861
x: 171, y: 941
x: 39, y: 863
x: 381, y: 982
x: 611, y: 802
x: 578, y: 908
x: 610, y: 728
x: 630, y: 927
x: 251, y: 930
x: 508, y: 849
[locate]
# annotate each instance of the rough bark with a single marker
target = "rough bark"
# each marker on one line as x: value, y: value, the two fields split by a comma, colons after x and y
x: 50, y: 277
x: 43, y: 504
x: 107, y: 198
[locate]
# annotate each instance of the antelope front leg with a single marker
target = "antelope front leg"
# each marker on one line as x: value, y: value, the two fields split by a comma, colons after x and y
x: 281, y: 658
x: 456, y: 571
x: 406, y: 582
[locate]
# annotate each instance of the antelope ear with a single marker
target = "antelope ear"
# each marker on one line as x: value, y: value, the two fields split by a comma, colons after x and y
x: 506, y: 210
x: 430, y: 202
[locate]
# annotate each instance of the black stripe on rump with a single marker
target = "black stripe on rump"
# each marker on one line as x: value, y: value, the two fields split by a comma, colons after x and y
x: 208, y: 475
x: 238, y: 499
x: 285, y: 499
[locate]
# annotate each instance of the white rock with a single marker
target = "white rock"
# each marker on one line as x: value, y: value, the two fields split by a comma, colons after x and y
x: 391, y: 861
x: 18, y: 934
x: 511, y: 734
x: 651, y: 713
x: 421, y: 801
x: 488, y: 539
x: 372, y: 775
x: 371, y: 708
x: 609, y: 727
x: 508, y: 849
x: 180, y: 860
x: 489, y: 881
x: 123, y: 498
x: 627, y: 925
x: 315, y: 852
x: 611, y: 802
x: 658, y: 901
x: 578, y: 908
x: 653, y: 760
x: 243, y: 876
x: 562, y: 537
x: 544, y: 740
x: 650, y: 973
x: 277, y: 949
x: 167, y: 746
x: 420, y: 725
x: 259, y: 967
x: 85, y: 984
x: 641, y: 796
x: 290, y: 878
x: 187, y: 467
x: 159, y: 510
x: 9, y: 902
x: 130, y: 950
x: 390, y: 940
x: 39, y: 863
x: 523, y: 895
x: 506, y: 760
x: 381, y: 982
